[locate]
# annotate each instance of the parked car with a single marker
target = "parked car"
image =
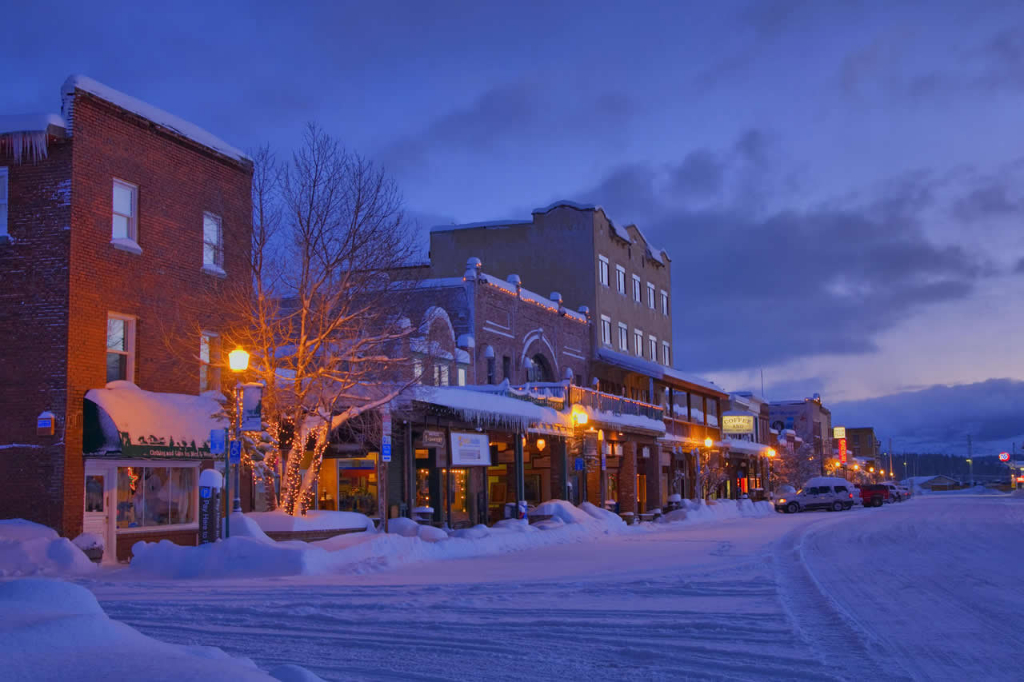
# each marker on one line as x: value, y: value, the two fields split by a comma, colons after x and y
x: 833, y: 494
x: 895, y: 494
x: 874, y: 494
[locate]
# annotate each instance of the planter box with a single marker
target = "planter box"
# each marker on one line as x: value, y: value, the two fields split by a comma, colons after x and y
x: 310, y: 535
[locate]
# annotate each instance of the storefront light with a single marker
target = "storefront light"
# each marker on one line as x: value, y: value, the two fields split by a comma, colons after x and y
x: 238, y: 360
x: 541, y: 443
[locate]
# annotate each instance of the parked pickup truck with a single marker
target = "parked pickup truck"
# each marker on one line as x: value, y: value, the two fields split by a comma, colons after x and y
x: 874, y: 494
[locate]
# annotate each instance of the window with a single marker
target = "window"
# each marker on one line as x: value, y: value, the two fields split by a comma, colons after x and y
x: 3, y: 201
x: 602, y: 270
x: 417, y: 369
x: 491, y: 370
x: 155, y: 496
x: 606, y: 330
x: 636, y: 288
x: 461, y: 375
x: 664, y: 302
x: 209, y: 376
x: 506, y: 367
x: 653, y: 347
x: 441, y: 374
x: 666, y: 354
x: 638, y: 343
x: 126, y: 208
x: 623, y: 337
x: 213, y: 243
x: 712, y: 411
x: 120, y: 347
x: 696, y: 408
x: 650, y: 296
x: 620, y: 279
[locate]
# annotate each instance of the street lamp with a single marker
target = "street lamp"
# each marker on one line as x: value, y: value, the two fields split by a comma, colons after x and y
x: 238, y: 361
x: 970, y: 464
x: 708, y: 443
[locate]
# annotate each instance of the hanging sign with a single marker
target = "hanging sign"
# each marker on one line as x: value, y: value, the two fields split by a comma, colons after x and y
x: 432, y: 439
x: 252, y: 407
x: 470, y: 449
x: 235, y: 452
x: 839, y: 432
x: 385, y: 439
x: 842, y: 450
x: 737, y: 423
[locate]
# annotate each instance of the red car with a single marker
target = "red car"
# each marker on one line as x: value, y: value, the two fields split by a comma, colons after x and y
x: 874, y: 494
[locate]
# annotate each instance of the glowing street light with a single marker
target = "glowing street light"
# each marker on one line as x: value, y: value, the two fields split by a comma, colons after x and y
x: 708, y: 443
x: 238, y: 360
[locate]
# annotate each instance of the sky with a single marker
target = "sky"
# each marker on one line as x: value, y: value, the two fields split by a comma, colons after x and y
x: 838, y: 183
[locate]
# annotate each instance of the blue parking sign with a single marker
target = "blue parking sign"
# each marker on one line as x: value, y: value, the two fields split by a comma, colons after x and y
x: 579, y: 464
x: 235, y: 452
x: 217, y: 440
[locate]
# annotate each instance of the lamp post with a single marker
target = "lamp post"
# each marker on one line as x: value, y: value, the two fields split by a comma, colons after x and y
x: 771, y: 465
x: 238, y: 361
x: 707, y: 447
x: 970, y: 465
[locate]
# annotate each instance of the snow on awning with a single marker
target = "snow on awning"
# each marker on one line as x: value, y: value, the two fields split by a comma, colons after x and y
x: 488, y: 410
x: 744, y: 447
x: 122, y: 418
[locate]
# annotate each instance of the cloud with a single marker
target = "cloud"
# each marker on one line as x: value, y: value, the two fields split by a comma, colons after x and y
x: 939, y: 418
x: 990, y: 199
x: 772, y: 286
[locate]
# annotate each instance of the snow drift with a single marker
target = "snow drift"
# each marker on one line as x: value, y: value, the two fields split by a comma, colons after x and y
x: 28, y: 548
x: 51, y: 630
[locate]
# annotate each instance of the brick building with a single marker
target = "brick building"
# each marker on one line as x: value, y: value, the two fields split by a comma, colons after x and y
x: 111, y: 215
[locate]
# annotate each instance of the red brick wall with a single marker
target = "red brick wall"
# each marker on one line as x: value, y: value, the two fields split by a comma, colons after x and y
x: 126, y: 541
x: 33, y: 335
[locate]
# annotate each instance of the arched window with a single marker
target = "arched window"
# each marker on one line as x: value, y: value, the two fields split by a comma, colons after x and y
x: 538, y: 370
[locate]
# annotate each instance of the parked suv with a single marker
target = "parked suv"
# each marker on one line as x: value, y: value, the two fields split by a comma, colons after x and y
x: 895, y: 494
x: 833, y: 494
x: 874, y: 494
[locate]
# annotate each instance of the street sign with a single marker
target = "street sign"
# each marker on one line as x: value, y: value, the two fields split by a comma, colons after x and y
x: 1004, y: 456
x: 235, y: 452
x: 385, y: 449
x: 385, y: 429
x: 578, y: 464
x: 218, y: 439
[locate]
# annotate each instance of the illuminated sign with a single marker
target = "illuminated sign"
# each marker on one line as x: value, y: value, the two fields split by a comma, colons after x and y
x: 839, y: 432
x: 842, y: 450
x: 737, y: 423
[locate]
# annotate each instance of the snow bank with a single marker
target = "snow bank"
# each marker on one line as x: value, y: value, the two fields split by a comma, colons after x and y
x: 28, y: 548
x: 278, y: 521
x: 50, y: 630
x: 697, y: 511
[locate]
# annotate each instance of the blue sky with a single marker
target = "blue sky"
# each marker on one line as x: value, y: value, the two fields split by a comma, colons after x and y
x: 837, y: 182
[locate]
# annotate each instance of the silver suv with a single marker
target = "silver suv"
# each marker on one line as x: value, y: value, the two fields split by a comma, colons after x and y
x: 833, y: 494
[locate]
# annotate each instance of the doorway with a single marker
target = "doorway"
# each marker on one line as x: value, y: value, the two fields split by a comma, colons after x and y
x: 99, y: 517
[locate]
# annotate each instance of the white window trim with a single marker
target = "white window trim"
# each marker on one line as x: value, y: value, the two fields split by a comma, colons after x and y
x: 620, y: 279
x: 5, y: 201
x: 131, y: 242
x: 638, y: 291
x: 652, y: 346
x: 606, y: 330
x: 214, y: 268
x: 664, y: 302
x: 651, y: 303
x: 623, y: 337
x: 638, y: 343
x: 666, y: 354
x: 603, y: 266
x: 210, y: 367
x: 129, y: 343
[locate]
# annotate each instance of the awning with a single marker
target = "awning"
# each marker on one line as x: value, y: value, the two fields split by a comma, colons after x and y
x: 122, y: 419
x: 492, y: 411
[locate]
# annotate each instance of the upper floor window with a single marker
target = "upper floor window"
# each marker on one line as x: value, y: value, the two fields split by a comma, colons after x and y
x: 653, y: 348
x: 606, y: 330
x: 441, y: 374
x: 213, y: 243
x: 620, y: 279
x: 650, y: 296
x: 461, y: 375
x: 126, y: 209
x: 636, y: 288
x: 602, y: 270
x: 3, y: 201
x: 120, y: 347
x: 209, y: 374
x: 666, y: 354
x: 664, y: 302
x: 638, y: 343
x: 623, y: 337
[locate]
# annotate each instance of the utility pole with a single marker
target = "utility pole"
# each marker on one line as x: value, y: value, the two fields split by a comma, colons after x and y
x: 890, y: 457
x: 970, y: 458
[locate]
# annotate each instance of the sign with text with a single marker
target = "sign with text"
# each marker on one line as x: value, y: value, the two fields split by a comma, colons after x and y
x: 218, y: 441
x: 737, y: 423
x: 252, y: 407
x: 385, y: 440
x: 839, y: 432
x: 235, y: 452
x: 432, y: 439
x: 1004, y: 456
x: 470, y: 449
x: 842, y: 451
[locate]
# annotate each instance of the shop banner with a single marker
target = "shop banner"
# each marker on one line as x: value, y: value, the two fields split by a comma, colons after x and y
x: 252, y: 407
x: 470, y: 449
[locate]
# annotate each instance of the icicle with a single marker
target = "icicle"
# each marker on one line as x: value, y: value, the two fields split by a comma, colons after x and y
x: 31, y: 142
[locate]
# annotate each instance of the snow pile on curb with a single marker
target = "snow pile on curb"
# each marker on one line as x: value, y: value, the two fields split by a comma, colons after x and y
x: 278, y: 521
x: 28, y: 548
x: 698, y: 511
x: 50, y: 629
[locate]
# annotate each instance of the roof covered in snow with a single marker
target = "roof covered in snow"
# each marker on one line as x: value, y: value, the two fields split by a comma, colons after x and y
x: 151, y: 113
x: 483, y: 224
x: 656, y: 371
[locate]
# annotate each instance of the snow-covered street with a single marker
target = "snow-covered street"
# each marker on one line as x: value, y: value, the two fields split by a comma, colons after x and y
x: 923, y: 590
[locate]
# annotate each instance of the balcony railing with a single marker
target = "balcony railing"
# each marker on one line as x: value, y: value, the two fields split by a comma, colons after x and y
x: 614, y: 404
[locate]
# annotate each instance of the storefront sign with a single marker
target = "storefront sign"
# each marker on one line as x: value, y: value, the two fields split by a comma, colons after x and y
x: 842, y: 451
x: 252, y: 407
x: 433, y: 439
x: 839, y: 432
x: 470, y: 449
x: 737, y: 423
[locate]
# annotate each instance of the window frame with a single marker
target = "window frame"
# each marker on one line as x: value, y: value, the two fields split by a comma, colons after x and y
x: 623, y: 337
x: 652, y: 346
x: 602, y: 270
x: 651, y: 302
x: 5, y: 200
x: 216, y: 267
x: 212, y: 379
x: 666, y: 353
x: 129, y: 343
x: 620, y: 279
x: 638, y: 342
x: 664, y: 302
x: 606, y: 330
x: 638, y: 294
x: 132, y: 237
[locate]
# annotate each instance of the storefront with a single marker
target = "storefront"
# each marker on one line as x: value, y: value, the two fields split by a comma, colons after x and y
x: 143, y: 454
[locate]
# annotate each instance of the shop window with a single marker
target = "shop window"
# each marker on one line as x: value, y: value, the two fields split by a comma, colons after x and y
x: 120, y: 347
x: 155, y: 496
x: 612, y: 486
x: 357, y: 484
x: 423, y: 488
